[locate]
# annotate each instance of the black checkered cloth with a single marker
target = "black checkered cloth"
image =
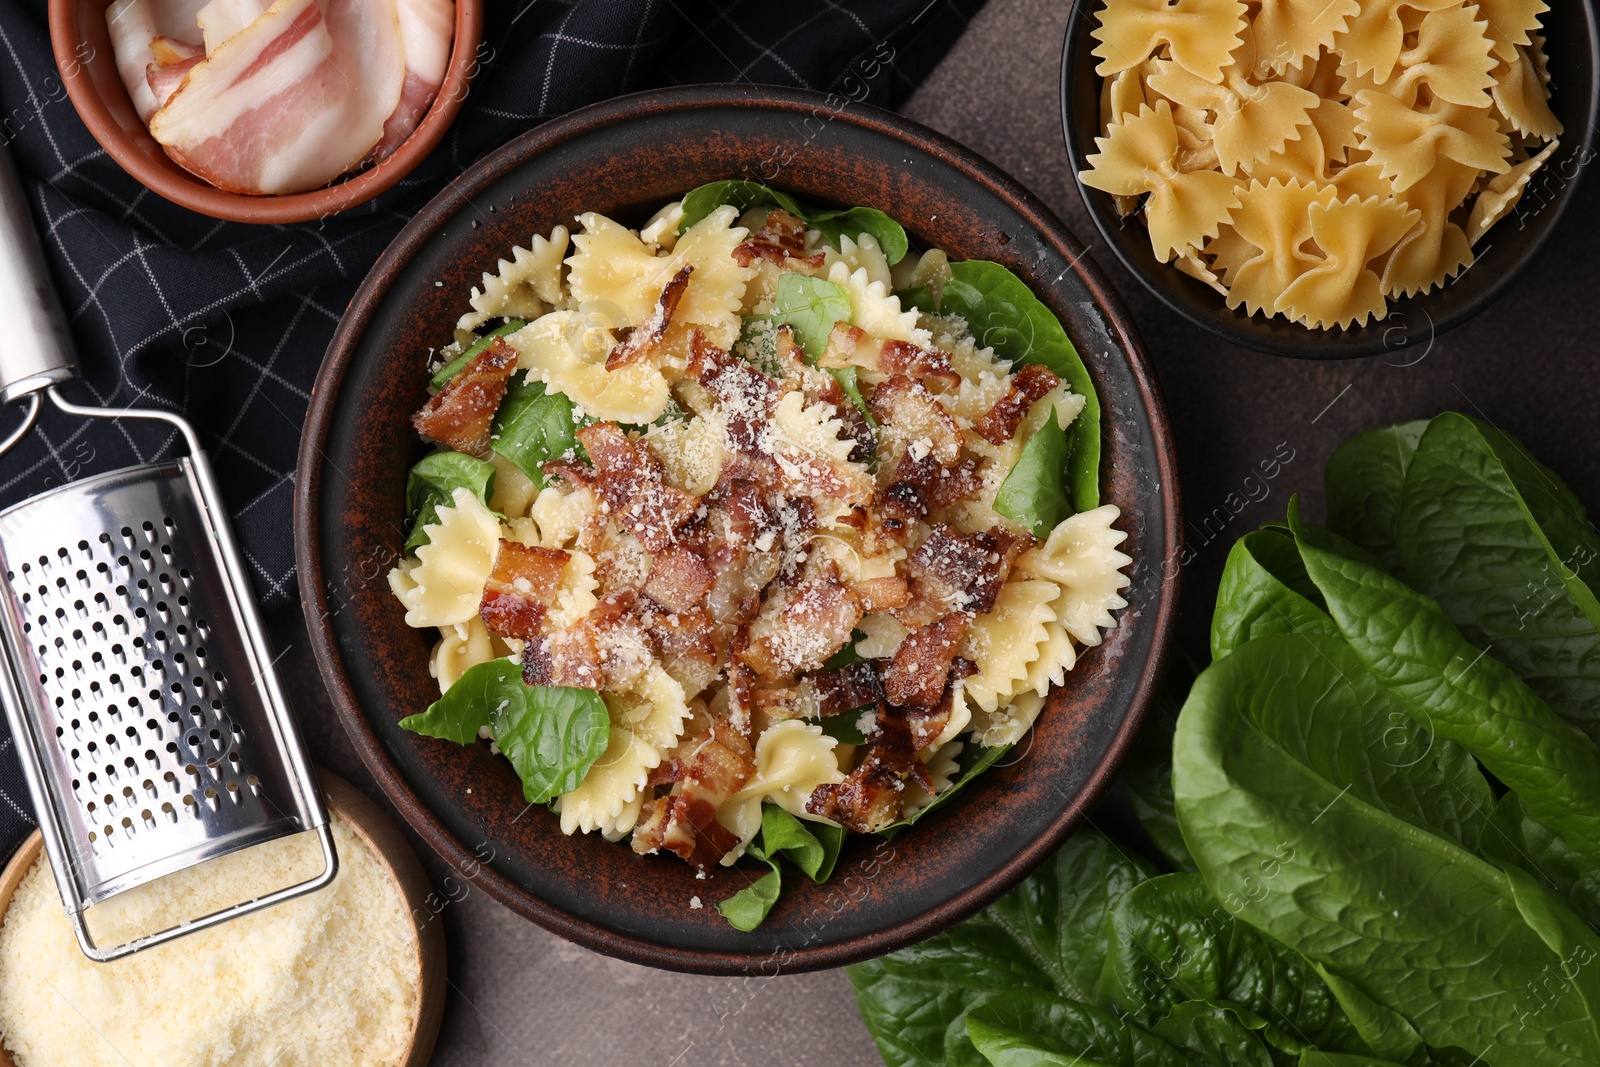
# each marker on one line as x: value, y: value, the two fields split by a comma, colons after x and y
x: 227, y: 322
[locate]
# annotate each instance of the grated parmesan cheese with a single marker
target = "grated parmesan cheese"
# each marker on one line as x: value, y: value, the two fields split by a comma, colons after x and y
x: 326, y: 978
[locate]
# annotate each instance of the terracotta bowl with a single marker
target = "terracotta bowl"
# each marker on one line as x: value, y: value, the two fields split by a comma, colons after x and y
x: 386, y: 841
x: 1572, y: 42
x: 82, y: 47
x: 626, y: 157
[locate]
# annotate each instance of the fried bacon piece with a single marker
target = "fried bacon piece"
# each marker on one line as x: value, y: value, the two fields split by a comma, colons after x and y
x: 930, y: 472
x: 686, y: 643
x: 921, y: 666
x: 745, y: 551
x: 643, y: 338
x: 952, y: 571
x: 926, y: 724
x: 679, y: 579
x: 781, y: 240
x: 684, y: 821
x: 999, y: 424
x: 747, y: 396
x: 914, y: 361
x: 798, y: 628
x: 922, y: 485
x: 608, y: 648
x: 846, y: 688
x: 628, y: 479
x: 521, y: 589
x: 462, y: 413
x: 881, y: 594
x: 843, y: 340
x: 873, y: 795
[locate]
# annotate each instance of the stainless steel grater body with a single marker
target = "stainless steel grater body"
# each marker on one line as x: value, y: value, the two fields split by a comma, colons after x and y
x: 136, y: 676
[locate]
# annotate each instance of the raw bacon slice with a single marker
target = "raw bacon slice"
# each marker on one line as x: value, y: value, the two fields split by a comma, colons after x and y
x: 221, y: 19
x: 427, y: 31
x: 166, y: 72
x: 133, y: 26
x: 292, y: 101
x: 462, y: 414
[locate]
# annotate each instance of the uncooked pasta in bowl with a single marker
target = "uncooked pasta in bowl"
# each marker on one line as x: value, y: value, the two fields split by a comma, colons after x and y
x: 1320, y: 161
x: 752, y: 528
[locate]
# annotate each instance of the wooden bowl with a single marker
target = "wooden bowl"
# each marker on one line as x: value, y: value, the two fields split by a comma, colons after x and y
x: 82, y: 47
x: 386, y: 841
x: 625, y: 157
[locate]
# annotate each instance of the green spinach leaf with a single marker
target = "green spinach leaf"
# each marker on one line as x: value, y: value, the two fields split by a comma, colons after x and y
x: 845, y: 727
x: 552, y: 736
x: 1287, y: 811
x: 461, y: 712
x: 1215, y: 1035
x: 1170, y: 942
x: 1363, y: 482
x: 846, y: 377
x: 749, y: 907
x: 1004, y: 314
x: 1500, y: 543
x: 1032, y: 492
x: 743, y: 195
x: 810, y: 307
x: 1265, y: 590
x: 854, y: 221
x: 431, y: 485
x: 811, y: 846
x: 1032, y: 1028
x: 1461, y: 693
x: 1047, y: 934
x: 532, y: 427
x: 972, y: 761
x: 451, y: 369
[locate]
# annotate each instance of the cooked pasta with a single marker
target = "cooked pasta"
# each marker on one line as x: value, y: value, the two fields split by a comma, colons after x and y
x: 773, y: 544
x: 1316, y: 159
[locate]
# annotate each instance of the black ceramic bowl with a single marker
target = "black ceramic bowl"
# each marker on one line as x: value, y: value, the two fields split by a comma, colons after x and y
x: 1573, y: 46
x: 625, y: 157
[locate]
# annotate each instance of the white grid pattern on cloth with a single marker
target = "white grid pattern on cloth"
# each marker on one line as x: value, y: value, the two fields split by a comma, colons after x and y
x: 226, y: 323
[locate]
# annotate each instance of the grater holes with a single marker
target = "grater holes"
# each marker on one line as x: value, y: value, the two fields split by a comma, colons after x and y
x: 254, y: 783
x: 169, y: 811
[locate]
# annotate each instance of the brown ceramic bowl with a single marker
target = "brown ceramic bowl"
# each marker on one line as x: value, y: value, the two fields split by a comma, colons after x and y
x: 82, y: 47
x: 625, y: 157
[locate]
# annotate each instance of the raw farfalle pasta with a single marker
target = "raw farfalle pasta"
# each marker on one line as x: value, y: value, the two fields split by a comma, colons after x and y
x: 725, y: 528
x: 1343, y: 154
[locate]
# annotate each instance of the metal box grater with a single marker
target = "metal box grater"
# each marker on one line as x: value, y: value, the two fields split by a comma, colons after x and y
x: 136, y: 676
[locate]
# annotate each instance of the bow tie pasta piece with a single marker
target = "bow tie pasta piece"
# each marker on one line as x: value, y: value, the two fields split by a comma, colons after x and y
x: 1342, y: 290
x: 875, y: 309
x: 1502, y: 193
x: 943, y: 769
x: 1252, y: 121
x: 567, y: 351
x: 443, y: 585
x: 1511, y: 23
x: 1522, y: 98
x: 1199, y: 34
x: 1287, y: 32
x: 1375, y: 36
x: 645, y: 723
x: 1451, y: 57
x: 1316, y: 149
x: 1408, y: 142
x: 1081, y: 557
x: 1435, y: 251
x: 527, y: 285
x: 1138, y: 155
x: 465, y: 645
x: 793, y: 758
x: 1005, y: 641
x: 1274, y: 218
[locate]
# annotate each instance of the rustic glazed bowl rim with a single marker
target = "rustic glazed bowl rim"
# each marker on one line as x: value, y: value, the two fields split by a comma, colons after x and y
x: 1381, y: 335
x: 171, y: 182
x: 320, y: 423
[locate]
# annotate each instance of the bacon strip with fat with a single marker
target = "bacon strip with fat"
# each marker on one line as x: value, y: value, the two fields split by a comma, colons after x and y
x: 461, y: 415
x: 643, y: 338
x: 1029, y: 385
x: 873, y: 795
x: 629, y: 480
x: 521, y: 589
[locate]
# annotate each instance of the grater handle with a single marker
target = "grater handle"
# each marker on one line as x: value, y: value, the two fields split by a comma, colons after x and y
x: 35, y: 345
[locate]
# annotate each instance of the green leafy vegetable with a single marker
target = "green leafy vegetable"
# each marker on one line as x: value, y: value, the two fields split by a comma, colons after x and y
x: 1048, y: 934
x: 1286, y: 811
x: 1501, y: 544
x: 431, y: 485
x: 1363, y: 481
x: 1512, y: 837
x: 846, y: 377
x: 973, y: 761
x: 1004, y: 314
x: 749, y: 907
x: 845, y: 727
x: 451, y: 369
x: 532, y: 427
x: 1217, y: 1034
x: 552, y: 735
x: 810, y: 307
x: 1031, y: 1028
x: 811, y: 846
x: 1032, y: 493
x: 1265, y: 590
x: 1462, y: 693
x: 833, y: 223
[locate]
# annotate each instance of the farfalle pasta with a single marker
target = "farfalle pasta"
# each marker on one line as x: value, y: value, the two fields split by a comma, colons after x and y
x: 1338, y: 156
x: 725, y: 529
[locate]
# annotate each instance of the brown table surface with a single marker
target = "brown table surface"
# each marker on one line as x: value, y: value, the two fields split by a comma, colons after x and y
x: 522, y: 996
